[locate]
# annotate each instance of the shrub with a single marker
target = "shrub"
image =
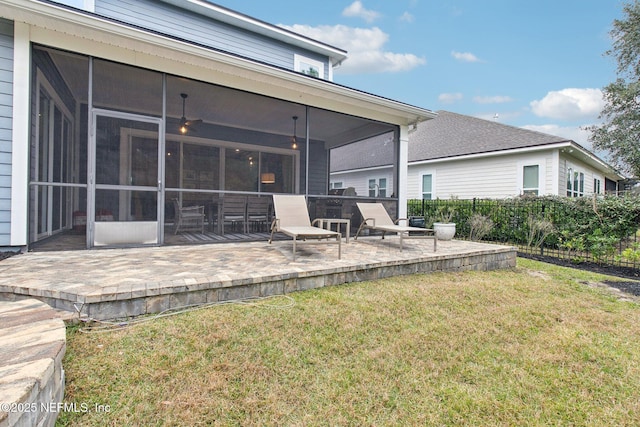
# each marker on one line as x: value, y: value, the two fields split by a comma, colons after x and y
x: 479, y: 226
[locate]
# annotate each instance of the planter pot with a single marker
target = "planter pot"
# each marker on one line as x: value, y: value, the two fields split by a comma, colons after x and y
x: 444, y: 230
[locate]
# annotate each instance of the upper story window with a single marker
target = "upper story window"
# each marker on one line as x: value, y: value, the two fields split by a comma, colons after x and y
x: 308, y: 66
x: 575, y: 183
x: 335, y: 185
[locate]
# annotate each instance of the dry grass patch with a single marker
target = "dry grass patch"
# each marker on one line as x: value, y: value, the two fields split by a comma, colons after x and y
x: 475, y: 348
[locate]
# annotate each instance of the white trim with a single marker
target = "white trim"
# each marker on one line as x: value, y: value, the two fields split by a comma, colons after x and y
x: 374, y: 168
x: 403, y: 172
x: 587, y: 156
x: 20, y: 134
x: 432, y: 174
x: 555, y: 173
x: 492, y: 154
x: 540, y: 163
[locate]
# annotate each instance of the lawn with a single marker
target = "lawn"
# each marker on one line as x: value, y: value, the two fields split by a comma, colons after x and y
x: 536, y: 345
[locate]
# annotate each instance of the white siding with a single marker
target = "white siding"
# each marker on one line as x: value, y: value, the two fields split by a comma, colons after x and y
x: 486, y: 177
x: 360, y: 180
x: 579, y: 166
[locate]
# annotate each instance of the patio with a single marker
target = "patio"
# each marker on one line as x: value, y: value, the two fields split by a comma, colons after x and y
x: 120, y: 283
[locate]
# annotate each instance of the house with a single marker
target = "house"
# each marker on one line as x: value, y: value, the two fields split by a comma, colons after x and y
x: 465, y: 157
x: 113, y: 110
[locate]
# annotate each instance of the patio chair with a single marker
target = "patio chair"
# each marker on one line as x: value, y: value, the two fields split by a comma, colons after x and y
x: 258, y: 212
x: 188, y: 218
x: 292, y: 219
x: 234, y: 213
x: 375, y: 217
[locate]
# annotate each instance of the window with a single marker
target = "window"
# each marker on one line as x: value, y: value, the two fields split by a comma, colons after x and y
x: 308, y: 66
x: 575, y: 183
x: 335, y: 185
x: 382, y: 187
x: 531, y: 179
x: 427, y: 187
x: 378, y: 188
x: 596, y: 186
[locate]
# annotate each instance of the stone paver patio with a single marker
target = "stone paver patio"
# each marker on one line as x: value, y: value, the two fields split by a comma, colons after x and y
x: 117, y: 283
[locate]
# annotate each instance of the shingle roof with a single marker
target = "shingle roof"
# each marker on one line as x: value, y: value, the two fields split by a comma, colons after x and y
x: 452, y: 134
x: 377, y: 151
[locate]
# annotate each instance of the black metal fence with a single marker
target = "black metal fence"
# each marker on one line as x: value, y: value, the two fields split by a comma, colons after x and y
x: 602, y: 230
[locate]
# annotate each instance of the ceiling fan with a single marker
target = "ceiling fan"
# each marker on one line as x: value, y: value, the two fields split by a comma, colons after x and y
x: 185, y: 124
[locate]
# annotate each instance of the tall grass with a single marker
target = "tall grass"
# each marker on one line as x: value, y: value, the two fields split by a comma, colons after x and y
x: 534, y: 346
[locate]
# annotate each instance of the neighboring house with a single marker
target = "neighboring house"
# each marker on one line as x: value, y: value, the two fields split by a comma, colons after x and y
x: 111, y: 111
x: 465, y: 157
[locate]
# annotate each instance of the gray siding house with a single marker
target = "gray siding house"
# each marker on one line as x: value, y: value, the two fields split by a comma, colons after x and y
x: 117, y: 113
x: 465, y: 157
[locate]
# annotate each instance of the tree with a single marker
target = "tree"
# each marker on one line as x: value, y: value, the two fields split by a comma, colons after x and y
x: 619, y: 134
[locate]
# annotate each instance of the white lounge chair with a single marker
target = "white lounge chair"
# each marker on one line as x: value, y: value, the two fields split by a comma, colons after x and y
x: 292, y: 219
x: 375, y: 217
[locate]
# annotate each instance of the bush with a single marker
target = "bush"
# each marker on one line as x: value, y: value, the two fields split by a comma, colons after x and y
x: 584, y: 225
x: 479, y: 226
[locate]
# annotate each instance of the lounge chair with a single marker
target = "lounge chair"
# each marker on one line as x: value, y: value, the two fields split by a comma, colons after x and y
x: 292, y: 219
x: 375, y: 217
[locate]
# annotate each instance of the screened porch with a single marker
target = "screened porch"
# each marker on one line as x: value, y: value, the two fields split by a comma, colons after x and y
x: 119, y: 156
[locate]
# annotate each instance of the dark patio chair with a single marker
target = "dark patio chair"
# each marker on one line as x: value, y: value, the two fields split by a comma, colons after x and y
x: 259, y: 212
x: 234, y: 213
x: 188, y: 218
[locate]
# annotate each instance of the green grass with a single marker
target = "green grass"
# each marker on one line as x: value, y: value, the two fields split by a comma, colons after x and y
x: 532, y: 346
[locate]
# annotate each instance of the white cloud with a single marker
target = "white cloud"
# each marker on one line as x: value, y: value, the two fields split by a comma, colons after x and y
x: 465, y: 56
x: 407, y: 17
x: 574, y: 133
x: 492, y: 99
x: 449, y: 98
x: 357, y: 10
x: 365, y: 47
x: 569, y: 104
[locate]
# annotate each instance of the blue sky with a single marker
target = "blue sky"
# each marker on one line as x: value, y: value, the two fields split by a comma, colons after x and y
x: 535, y: 64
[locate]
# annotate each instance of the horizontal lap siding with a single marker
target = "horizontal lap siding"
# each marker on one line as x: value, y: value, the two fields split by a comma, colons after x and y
x: 170, y: 20
x: 359, y: 180
x: 491, y: 177
x: 6, y: 121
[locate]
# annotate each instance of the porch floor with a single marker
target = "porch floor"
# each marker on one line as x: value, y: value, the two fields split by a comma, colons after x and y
x: 120, y: 283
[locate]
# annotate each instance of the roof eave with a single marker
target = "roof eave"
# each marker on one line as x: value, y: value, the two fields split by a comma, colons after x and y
x: 563, y: 146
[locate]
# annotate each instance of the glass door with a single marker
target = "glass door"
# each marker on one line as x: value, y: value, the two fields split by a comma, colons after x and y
x: 126, y: 195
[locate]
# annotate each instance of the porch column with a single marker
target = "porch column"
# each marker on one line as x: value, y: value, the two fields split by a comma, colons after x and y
x: 20, y: 133
x: 403, y: 171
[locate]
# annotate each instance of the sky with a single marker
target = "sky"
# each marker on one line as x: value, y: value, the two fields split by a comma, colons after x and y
x: 538, y: 64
